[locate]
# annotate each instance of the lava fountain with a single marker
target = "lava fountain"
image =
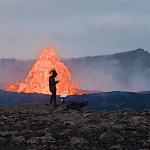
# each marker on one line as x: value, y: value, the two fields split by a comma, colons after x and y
x: 38, y: 76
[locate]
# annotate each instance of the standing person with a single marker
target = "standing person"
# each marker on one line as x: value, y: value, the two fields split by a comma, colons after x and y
x: 52, y: 86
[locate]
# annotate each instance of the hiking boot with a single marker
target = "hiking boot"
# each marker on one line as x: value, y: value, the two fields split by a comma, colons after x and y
x: 50, y: 104
x: 55, y: 105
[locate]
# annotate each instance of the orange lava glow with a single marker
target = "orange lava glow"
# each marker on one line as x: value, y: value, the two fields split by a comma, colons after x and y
x: 37, y: 80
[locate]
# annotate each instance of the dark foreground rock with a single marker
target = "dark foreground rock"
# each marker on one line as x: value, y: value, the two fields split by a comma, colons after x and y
x: 43, y: 127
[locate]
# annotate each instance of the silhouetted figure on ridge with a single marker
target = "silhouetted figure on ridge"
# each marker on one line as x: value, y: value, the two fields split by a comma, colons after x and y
x: 52, y: 86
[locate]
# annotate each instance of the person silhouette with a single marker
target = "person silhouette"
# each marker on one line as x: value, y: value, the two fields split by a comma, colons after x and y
x: 52, y: 86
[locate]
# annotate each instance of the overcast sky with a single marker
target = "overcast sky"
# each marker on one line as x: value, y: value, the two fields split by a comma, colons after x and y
x: 81, y: 27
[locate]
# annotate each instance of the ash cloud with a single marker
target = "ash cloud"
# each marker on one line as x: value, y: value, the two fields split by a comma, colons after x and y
x: 14, y: 70
x: 95, y: 76
x: 129, y: 71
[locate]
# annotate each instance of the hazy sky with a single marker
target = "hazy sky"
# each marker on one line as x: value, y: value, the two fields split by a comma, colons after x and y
x: 80, y: 27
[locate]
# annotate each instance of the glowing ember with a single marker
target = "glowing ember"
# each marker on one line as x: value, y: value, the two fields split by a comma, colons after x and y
x: 38, y: 76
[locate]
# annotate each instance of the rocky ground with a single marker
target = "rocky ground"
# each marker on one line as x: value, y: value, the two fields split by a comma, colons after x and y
x: 39, y: 126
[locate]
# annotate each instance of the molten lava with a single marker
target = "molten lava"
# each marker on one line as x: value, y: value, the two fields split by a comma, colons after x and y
x: 38, y: 77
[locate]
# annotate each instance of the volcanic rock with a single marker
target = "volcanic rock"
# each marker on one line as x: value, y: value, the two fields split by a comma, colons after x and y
x: 43, y: 127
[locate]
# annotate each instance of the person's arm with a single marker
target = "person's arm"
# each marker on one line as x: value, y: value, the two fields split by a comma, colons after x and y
x: 52, y: 81
x: 56, y: 82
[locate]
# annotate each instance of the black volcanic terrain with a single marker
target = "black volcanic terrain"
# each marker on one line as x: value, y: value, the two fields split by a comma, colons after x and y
x: 39, y: 126
x: 112, y: 120
x: 109, y: 101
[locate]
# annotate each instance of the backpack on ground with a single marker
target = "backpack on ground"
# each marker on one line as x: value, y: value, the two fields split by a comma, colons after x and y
x: 76, y: 105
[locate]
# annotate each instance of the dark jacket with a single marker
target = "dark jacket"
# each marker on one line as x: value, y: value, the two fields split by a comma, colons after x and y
x: 52, y: 83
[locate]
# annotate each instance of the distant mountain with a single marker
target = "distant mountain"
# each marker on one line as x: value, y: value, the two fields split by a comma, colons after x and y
x: 127, y: 71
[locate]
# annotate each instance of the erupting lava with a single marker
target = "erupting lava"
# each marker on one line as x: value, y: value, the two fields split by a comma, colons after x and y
x: 38, y: 76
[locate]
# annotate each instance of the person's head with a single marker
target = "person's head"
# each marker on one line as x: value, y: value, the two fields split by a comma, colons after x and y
x: 54, y: 73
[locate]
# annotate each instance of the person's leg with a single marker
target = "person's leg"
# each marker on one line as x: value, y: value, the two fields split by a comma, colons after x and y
x: 52, y: 97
